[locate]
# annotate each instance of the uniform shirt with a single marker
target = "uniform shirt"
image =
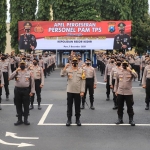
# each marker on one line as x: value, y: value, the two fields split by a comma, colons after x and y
x: 76, y: 84
x: 26, y: 41
x: 123, y: 82
x: 28, y: 63
x: 41, y: 63
x: 143, y: 63
x: 5, y: 67
x: 108, y: 69
x: 1, y: 78
x: 137, y: 61
x: 37, y: 73
x: 80, y: 63
x: 50, y: 60
x: 120, y: 40
x: 146, y: 74
x: 131, y: 60
x: 23, y: 79
x: 46, y: 60
x: 90, y: 73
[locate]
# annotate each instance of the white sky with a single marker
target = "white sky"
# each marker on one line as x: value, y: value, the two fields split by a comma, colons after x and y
x: 8, y: 6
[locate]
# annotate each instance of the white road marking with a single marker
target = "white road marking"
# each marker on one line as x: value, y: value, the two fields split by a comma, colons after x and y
x: 13, y: 135
x: 16, y: 144
x: 41, y: 122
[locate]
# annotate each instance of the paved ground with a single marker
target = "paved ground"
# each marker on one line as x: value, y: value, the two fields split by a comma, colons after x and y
x: 97, y: 133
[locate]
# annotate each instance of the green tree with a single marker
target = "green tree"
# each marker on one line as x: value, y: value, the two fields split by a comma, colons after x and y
x: 43, y: 10
x: 3, y: 27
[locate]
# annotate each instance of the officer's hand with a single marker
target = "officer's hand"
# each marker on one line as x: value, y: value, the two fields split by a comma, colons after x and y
x: 41, y: 86
x: 18, y: 69
x: 116, y: 93
x: 111, y: 86
x: 31, y: 94
x: 1, y: 85
x: 105, y: 80
x: 144, y: 86
x: 32, y: 47
x: 67, y: 65
x: 94, y: 86
x: 128, y: 68
x: 124, y: 46
x: 81, y: 94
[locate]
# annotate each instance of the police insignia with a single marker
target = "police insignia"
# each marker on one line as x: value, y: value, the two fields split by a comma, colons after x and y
x: 111, y: 27
x: 33, y: 38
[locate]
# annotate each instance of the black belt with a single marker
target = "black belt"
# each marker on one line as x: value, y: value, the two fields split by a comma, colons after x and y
x: 21, y: 88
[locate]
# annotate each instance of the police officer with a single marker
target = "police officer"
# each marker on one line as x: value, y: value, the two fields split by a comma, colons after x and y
x: 146, y: 83
x: 27, y: 41
x: 112, y: 81
x: 123, y: 89
x: 6, y: 70
x: 91, y: 82
x: 38, y: 75
x: 28, y: 61
x: 46, y: 63
x: 122, y: 40
x: 24, y: 87
x: 137, y: 64
x: 1, y: 85
x: 107, y: 76
x: 75, y: 89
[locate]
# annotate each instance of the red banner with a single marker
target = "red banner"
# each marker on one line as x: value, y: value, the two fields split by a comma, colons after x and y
x: 42, y: 29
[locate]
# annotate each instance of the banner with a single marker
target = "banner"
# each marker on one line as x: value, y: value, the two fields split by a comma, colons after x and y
x: 74, y: 35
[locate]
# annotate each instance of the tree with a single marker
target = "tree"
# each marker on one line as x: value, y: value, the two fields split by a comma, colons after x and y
x: 3, y: 27
x: 43, y: 10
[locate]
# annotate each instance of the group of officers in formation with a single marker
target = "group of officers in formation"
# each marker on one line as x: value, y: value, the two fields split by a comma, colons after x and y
x: 28, y: 71
x: 119, y: 71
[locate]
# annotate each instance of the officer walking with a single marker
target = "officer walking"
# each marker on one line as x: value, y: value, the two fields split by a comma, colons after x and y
x: 24, y: 87
x: 91, y: 82
x: 137, y: 64
x: 1, y: 85
x: 122, y: 40
x: 38, y: 75
x: 146, y: 83
x: 27, y: 41
x: 123, y: 89
x: 75, y: 89
x: 6, y: 70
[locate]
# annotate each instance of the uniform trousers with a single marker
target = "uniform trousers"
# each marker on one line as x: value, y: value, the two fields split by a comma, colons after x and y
x: 89, y: 85
x: 73, y: 97
x: 38, y: 91
x: 114, y: 94
x: 22, y: 99
x: 6, y: 83
x: 108, y: 86
x: 147, y: 90
x: 129, y: 102
x: 45, y: 70
x: 137, y: 69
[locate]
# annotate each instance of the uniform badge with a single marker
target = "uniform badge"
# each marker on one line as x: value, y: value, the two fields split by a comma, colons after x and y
x: 111, y: 27
x: 25, y: 43
x: 125, y: 40
x: 33, y: 38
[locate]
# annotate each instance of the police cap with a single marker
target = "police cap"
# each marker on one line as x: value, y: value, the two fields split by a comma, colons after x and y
x: 27, y: 25
x: 22, y: 62
x: 121, y: 25
x: 88, y: 59
x: 125, y: 62
x: 36, y: 59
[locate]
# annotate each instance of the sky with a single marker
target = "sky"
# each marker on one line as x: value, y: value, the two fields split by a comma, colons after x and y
x: 8, y: 6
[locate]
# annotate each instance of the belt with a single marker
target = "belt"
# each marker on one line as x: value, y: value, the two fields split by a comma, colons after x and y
x: 21, y: 88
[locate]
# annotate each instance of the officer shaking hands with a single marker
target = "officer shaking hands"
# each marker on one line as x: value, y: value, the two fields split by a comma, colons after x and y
x: 122, y: 40
x: 75, y: 89
x: 27, y: 41
x: 24, y: 88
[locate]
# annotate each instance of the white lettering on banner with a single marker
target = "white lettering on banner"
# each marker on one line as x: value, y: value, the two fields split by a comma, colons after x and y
x: 81, y: 24
x: 83, y: 29
x: 61, y: 30
x: 97, y: 29
x: 59, y: 25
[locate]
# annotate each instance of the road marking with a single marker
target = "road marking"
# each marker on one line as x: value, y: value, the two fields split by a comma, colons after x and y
x: 16, y: 144
x: 34, y: 104
x: 105, y: 84
x: 16, y: 137
x: 41, y: 122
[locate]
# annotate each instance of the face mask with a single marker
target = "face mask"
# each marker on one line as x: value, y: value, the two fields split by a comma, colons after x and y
x: 112, y: 61
x: 23, y: 58
x: 118, y: 64
x: 40, y: 58
x: 35, y: 63
x: 124, y: 66
x: 107, y: 58
x: 75, y: 64
x: 28, y: 59
x: 22, y: 67
x: 27, y: 30
x: 3, y: 58
x: 88, y: 64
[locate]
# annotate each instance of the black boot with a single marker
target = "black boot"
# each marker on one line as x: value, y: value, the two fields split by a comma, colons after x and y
x: 120, y: 120
x: 26, y: 122
x: 7, y: 97
x: 39, y: 106
x: 115, y: 106
x: 107, y: 99
x: 92, y: 107
x: 147, y: 107
x: 0, y: 107
x: 31, y: 107
x: 78, y: 121
x: 69, y: 122
x: 131, y: 121
x: 83, y: 106
x: 19, y: 122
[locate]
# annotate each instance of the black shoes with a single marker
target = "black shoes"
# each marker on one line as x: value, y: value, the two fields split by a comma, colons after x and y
x: 120, y: 120
x: 39, y: 107
x: 0, y: 107
x: 92, y: 107
x: 31, y: 107
x: 115, y: 107
x: 83, y: 106
x: 69, y: 122
x: 131, y: 121
x: 78, y: 121
x: 107, y: 99
x: 147, y: 107
x: 19, y: 122
x: 26, y: 122
x: 7, y: 97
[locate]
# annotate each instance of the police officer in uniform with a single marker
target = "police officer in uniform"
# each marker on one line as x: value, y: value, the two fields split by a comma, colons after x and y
x: 122, y: 40
x: 1, y: 86
x: 27, y: 41
x: 75, y: 89
x: 146, y: 83
x: 6, y: 70
x: 38, y: 75
x: 24, y: 87
x: 123, y: 90
x: 91, y: 82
